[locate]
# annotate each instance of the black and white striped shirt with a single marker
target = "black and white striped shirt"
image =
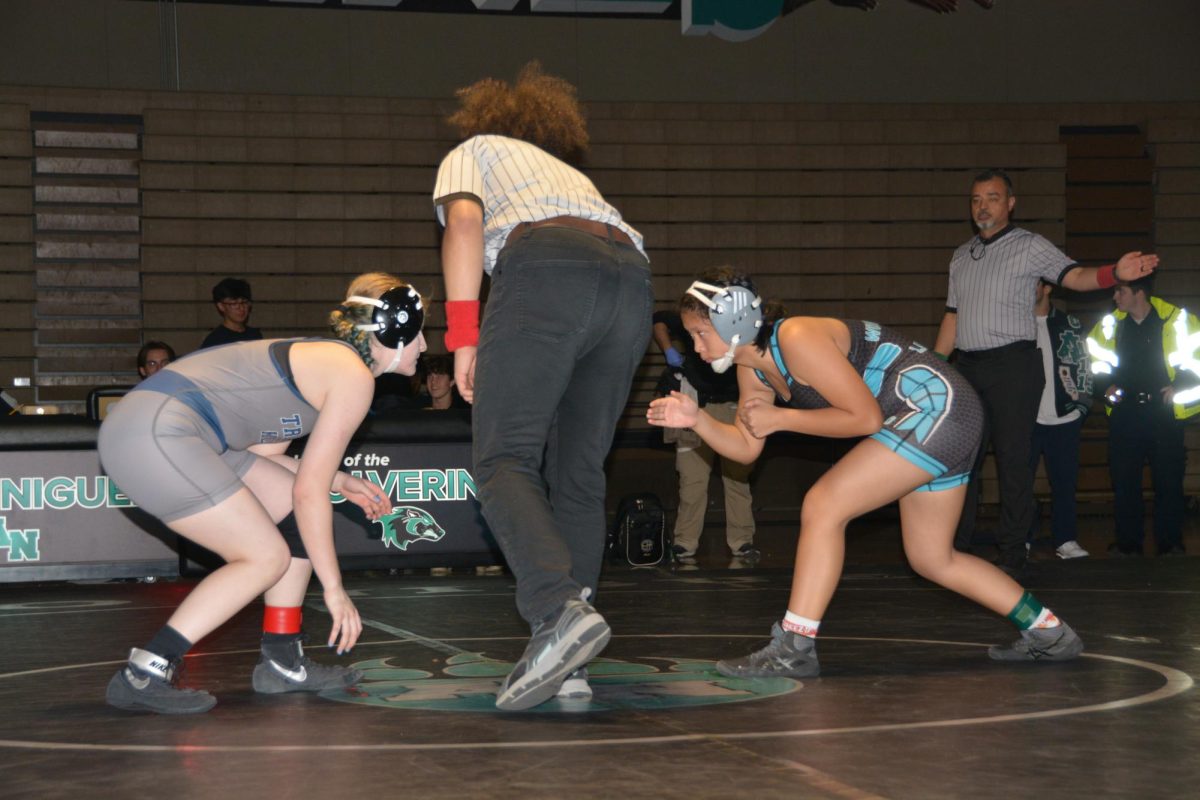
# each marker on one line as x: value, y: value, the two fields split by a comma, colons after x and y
x: 993, y: 286
x: 518, y: 182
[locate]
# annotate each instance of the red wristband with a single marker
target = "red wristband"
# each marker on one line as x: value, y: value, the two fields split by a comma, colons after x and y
x: 1106, y: 277
x: 281, y: 619
x: 462, y: 324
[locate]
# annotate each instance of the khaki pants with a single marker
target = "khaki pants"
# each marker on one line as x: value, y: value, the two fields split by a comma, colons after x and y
x: 694, y: 462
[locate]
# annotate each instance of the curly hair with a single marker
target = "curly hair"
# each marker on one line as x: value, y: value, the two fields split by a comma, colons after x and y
x: 772, y: 311
x: 540, y: 109
x: 344, y: 319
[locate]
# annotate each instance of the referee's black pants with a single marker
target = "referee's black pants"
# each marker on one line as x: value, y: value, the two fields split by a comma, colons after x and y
x: 1139, y: 433
x: 1009, y: 380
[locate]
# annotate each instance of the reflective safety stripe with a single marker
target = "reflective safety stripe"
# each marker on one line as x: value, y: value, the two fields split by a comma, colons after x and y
x: 1186, y: 343
x: 1184, y: 357
x: 1188, y: 396
x: 1104, y: 359
x: 1108, y: 326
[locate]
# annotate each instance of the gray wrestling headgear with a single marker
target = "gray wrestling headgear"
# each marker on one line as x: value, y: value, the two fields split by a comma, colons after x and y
x: 398, y: 316
x: 735, y: 312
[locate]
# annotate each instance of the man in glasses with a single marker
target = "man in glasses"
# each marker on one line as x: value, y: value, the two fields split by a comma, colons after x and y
x: 231, y: 296
x: 153, y: 356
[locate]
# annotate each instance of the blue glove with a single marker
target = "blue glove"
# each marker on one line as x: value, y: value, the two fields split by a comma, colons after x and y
x: 674, y: 357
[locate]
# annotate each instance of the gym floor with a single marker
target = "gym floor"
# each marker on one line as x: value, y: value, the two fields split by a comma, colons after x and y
x: 907, y: 706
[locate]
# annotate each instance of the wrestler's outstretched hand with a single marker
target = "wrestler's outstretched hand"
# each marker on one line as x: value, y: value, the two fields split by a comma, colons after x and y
x: 347, y: 625
x: 676, y: 410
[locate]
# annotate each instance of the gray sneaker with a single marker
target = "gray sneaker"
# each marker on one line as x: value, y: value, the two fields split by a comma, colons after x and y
x: 1041, y: 644
x: 296, y: 672
x: 789, y: 655
x: 149, y: 682
x: 560, y: 644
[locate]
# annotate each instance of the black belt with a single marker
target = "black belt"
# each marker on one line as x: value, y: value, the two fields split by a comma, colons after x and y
x: 1003, y: 350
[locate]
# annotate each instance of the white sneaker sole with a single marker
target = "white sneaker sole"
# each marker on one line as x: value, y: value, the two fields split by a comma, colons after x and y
x: 575, y: 689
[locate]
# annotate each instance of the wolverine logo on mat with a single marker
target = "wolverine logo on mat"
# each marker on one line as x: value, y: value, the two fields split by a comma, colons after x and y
x: 469, y: 682
x: 408, y: 524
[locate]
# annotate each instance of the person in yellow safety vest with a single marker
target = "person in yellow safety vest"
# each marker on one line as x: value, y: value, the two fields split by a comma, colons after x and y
x: 1145, y: 358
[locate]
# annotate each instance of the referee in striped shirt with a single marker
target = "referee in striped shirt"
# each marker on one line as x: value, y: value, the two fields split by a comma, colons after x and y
x: 989, y: 320
x: 549, y: 369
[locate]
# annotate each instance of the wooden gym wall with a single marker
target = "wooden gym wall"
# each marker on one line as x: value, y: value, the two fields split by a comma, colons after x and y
x: 845, y: 210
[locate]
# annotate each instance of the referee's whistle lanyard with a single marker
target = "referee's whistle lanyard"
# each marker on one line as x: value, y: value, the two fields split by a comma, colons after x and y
x: 979, y: 246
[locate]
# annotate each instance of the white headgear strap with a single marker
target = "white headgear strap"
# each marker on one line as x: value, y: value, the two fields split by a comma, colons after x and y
x: 376, y: 326
x: 734, y: 311
x: 395, y: 361
x: 368, y: 301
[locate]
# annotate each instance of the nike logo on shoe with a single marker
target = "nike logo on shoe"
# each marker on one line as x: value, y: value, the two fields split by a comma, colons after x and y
x: 135, y: 681
x: 296, y: 675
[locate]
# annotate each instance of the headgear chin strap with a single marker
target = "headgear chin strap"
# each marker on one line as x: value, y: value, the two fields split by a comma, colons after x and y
x: 397, y: 318
x: 722, y: 364
x: 395, y: 361
x: 735, y: 313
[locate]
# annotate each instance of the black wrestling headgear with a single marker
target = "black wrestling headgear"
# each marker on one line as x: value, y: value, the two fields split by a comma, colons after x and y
x: 397, y: 318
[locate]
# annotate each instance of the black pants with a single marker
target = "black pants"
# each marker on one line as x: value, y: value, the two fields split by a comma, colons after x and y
x: 567, y: 323
x: 1138, y: 433
x: 1009, y: 380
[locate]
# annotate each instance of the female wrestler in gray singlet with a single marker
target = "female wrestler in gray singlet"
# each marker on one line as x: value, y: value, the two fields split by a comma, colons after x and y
x: 922, y: 424
x: 201, y: 445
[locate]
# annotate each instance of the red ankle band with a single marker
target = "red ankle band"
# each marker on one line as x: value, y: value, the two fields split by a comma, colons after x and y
x: 280, y: 619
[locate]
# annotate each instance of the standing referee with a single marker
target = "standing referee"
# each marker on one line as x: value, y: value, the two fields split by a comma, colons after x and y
x: 989, y: 319
x: 549, y: 368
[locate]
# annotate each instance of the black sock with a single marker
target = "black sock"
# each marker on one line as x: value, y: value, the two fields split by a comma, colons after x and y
x: 169, y: 643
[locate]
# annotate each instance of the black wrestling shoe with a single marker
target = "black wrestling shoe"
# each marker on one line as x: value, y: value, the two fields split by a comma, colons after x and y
x: 789, y: 655
x: 149, y: 682
x: 285, y: 668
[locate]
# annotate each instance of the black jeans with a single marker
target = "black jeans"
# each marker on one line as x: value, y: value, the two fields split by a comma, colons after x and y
x: 1009, y: 382
x: 566, y: 325
x: 1138, y: 433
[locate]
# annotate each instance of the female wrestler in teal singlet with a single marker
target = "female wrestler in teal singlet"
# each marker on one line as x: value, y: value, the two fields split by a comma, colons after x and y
x: 922, y: 423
